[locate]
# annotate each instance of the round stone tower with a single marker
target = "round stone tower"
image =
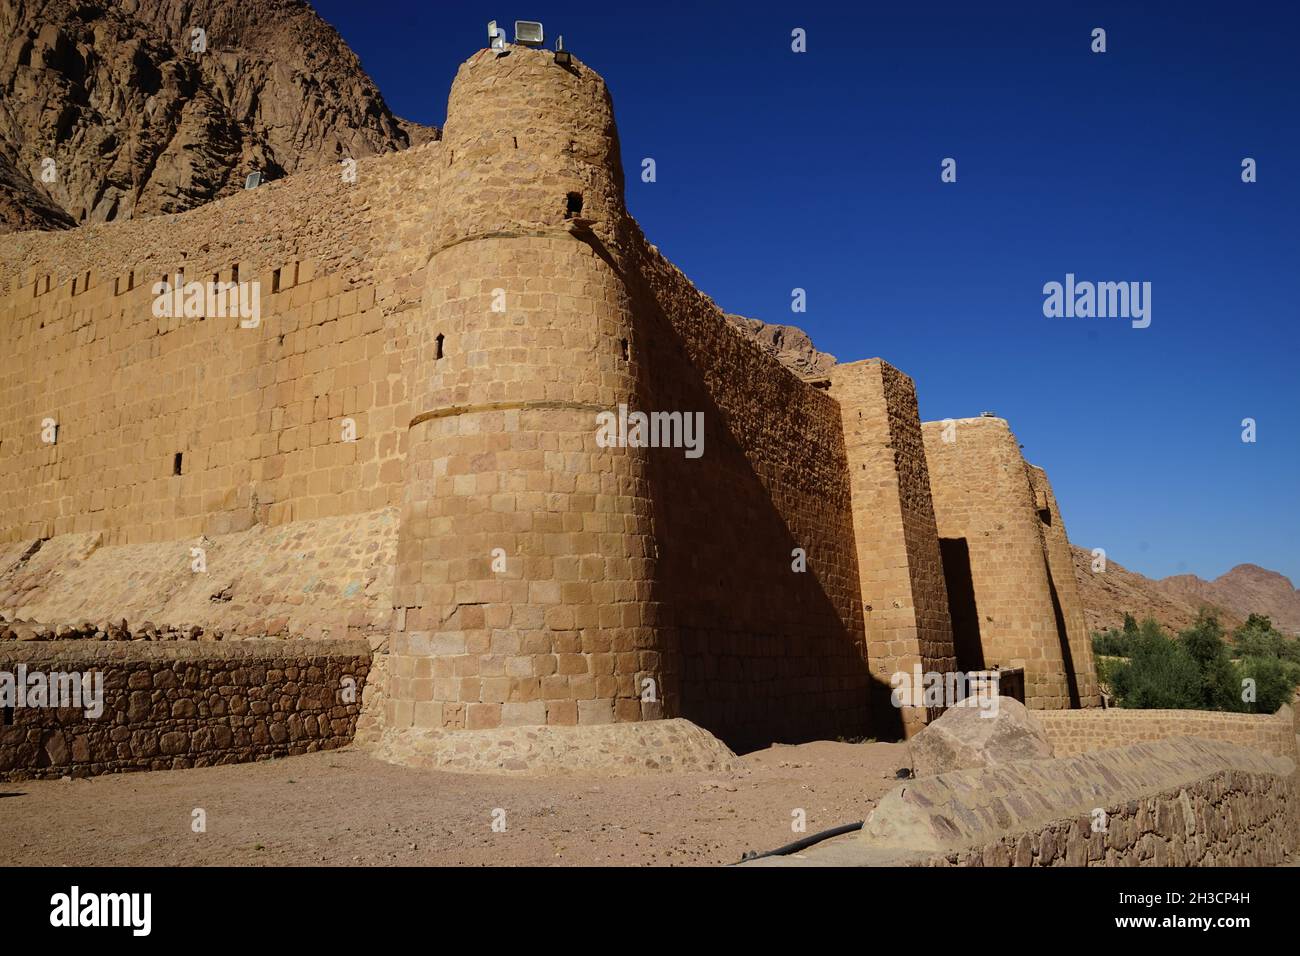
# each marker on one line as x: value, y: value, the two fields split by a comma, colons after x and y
x: 525, y: 566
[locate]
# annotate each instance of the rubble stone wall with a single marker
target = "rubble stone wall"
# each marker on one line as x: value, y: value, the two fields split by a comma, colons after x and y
x: 172, y: 706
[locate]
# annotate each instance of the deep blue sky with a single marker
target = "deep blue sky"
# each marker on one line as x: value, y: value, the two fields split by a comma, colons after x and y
x: 821, y: 170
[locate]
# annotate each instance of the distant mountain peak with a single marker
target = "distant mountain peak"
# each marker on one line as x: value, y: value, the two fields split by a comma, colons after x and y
x: 1174, y: 601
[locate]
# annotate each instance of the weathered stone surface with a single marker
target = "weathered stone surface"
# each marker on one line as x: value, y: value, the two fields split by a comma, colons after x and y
x: 657, y: 746
x: 1179, y: 802
x: 967, y: 736
x: 157, y: 711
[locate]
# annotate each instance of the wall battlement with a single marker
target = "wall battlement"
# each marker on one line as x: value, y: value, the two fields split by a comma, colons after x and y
x: 463, y: 312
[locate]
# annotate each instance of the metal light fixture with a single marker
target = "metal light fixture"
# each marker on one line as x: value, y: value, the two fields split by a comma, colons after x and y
x: 252, y: 180
x: 528, y: 33
x: 562, y: 56
x: 496, y: 37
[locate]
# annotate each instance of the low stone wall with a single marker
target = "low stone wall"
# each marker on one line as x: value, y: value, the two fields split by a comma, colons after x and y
x: 1180, y: 802
x: 1083, y: 731
x: 177, y: 705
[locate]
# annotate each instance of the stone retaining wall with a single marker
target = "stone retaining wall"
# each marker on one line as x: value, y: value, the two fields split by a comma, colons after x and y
x: 1186, y: 801
x: 1083, y: 731
x: 178, y: 705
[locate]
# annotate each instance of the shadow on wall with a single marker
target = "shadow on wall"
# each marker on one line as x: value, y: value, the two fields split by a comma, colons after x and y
x: 1071, y: 678
x: 968, y: 649
x: 763, y: 653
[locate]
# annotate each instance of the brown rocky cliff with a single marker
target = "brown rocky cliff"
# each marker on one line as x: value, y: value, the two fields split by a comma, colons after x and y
x: 138, y: 123
x: 788, y: 344
x: 1246, y: 589
x: 1175, y: 601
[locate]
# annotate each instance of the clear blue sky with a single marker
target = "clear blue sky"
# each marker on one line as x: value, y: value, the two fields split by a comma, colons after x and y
x: 821, y: 170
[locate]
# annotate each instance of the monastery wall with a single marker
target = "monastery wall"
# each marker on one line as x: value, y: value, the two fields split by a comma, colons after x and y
x: 983, y: 496
x: 766, y: 652
x: 407, y: 448
x: 1081, y: 670
x: 901, y: 575
x: 256, y: 415
x: 628, y: 583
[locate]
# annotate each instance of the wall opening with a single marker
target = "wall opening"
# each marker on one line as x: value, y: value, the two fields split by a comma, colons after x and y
x: 627, y: 350
x: 176, y: 463
x: 438, y: 344
x: 967, y: 647
x: 572, y: 205
x: 275, y: 281
x: 234, y: 272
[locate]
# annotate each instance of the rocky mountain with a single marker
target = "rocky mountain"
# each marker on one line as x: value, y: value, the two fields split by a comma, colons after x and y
x: 1175, y: 601
x: 123, y: 108
x: 1107, y: 596
x: 1245, y: 589
x: 788, y: 344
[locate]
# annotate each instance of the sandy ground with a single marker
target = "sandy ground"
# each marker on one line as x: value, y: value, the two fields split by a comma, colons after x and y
x: 344, y: 808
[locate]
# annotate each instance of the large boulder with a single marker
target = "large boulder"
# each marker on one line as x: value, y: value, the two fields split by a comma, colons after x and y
x: 968, y: 735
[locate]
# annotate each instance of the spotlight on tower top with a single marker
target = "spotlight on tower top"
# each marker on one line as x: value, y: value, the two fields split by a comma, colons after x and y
x: 496, y: 36
x: 528, y: 33
x: 562, y: 56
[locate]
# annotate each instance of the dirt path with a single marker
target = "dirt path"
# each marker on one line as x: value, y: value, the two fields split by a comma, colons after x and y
x: 344, y: 808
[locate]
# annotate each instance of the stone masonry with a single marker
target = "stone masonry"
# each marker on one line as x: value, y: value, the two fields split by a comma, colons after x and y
x: 405, y: 450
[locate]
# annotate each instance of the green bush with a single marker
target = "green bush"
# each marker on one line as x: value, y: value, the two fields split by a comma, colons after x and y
x: 1159, y: 673
x: 1196, y: 670
x: 1258, y: 638
x: 1116, y: 642
x: 1220, y: 678
x: 1274, y: 683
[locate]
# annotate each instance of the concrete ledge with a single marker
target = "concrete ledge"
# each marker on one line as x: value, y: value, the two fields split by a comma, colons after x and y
x: 623, y: 749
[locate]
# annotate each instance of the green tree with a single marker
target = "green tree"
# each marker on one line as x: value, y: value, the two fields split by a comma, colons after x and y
x: 1220, y: 679
x: 1159, y: 673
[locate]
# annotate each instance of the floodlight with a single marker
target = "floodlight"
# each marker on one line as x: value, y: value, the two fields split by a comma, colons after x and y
x: 496, y: 38
x: 528, y: 32
x: 562, y: 56
x: 253, y: 181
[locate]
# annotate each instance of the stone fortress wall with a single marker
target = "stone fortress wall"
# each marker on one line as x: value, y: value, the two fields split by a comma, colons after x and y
x: 471, y: 306
x: 1006, y: 563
